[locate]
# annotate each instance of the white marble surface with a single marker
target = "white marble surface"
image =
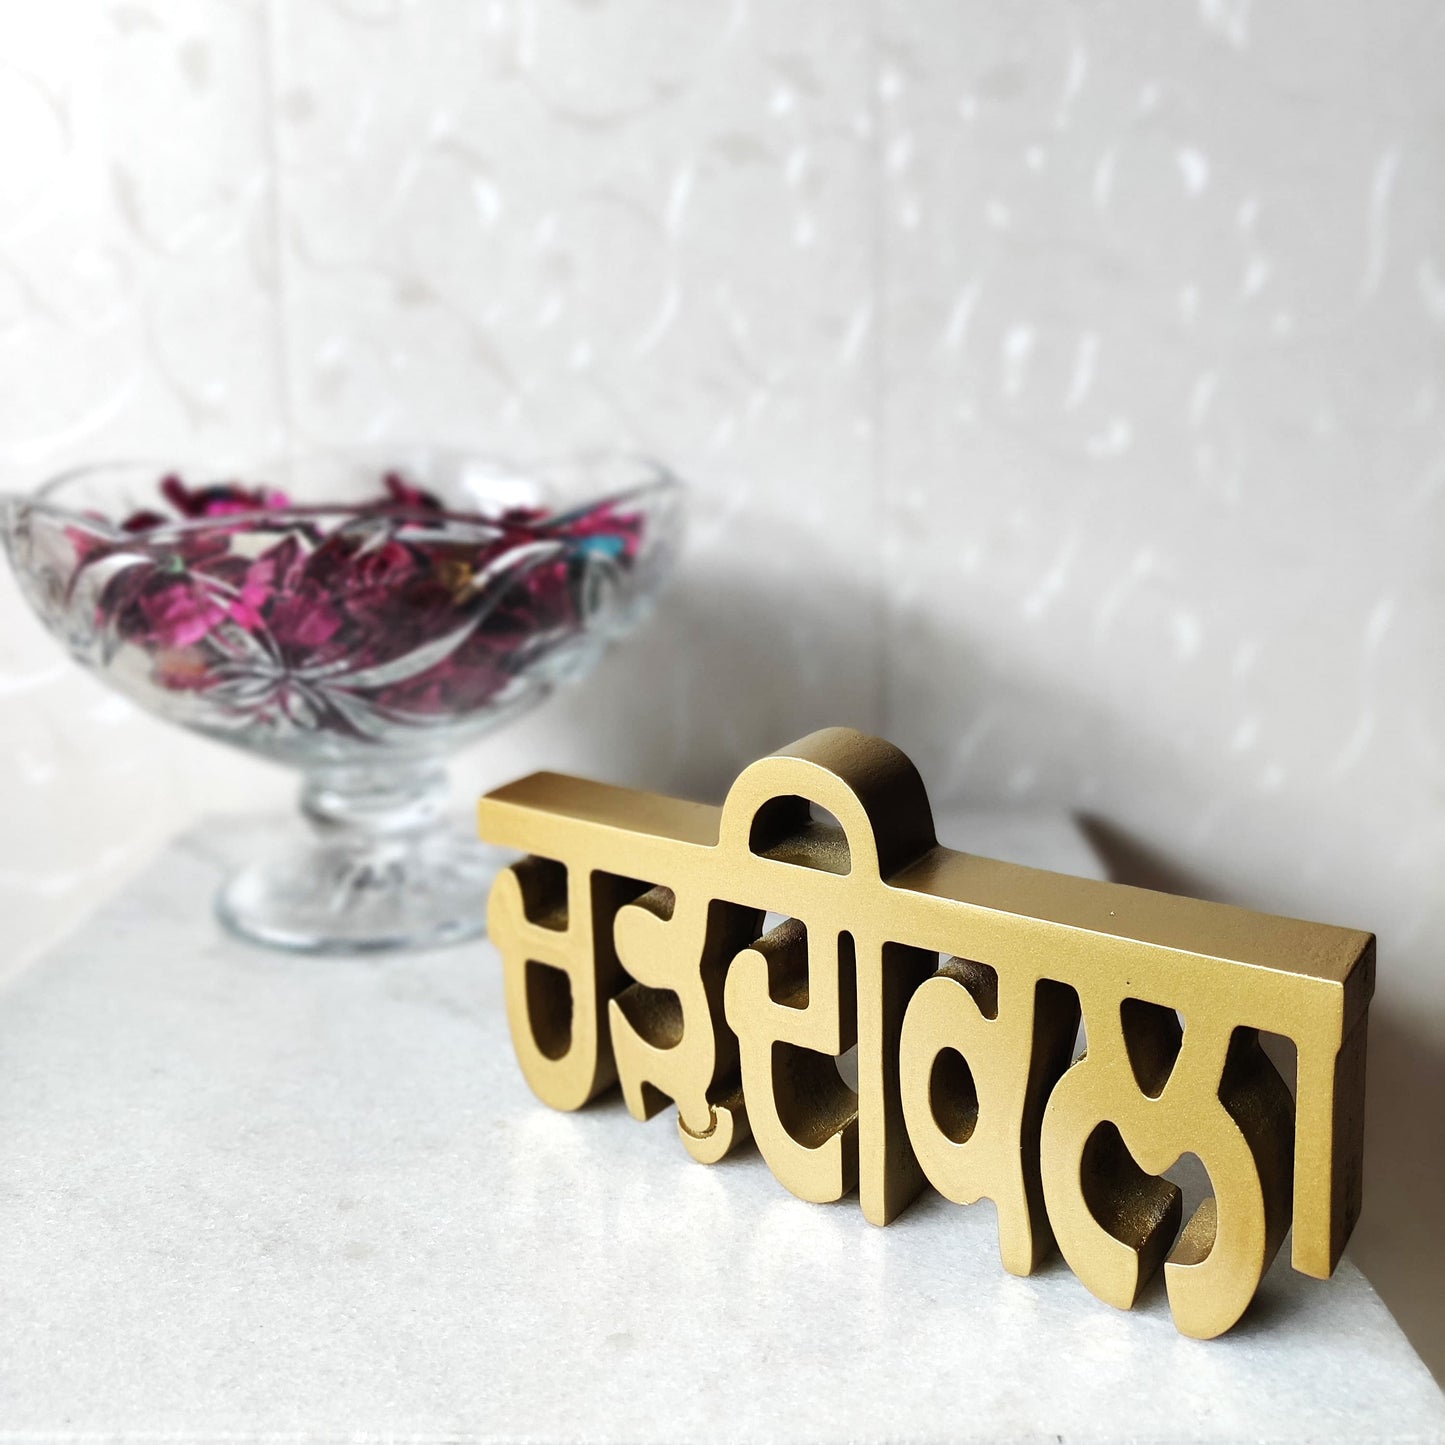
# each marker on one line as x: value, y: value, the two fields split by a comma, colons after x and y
x: 1061, y: 385
x: 247, y: 1196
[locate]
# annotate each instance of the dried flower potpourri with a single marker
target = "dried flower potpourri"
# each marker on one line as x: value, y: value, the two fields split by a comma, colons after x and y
x: 362, y: 621
x: 359, y: 623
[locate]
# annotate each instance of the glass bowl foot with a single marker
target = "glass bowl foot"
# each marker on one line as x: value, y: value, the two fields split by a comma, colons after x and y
x: 322, y: 899
x: 381, y: 870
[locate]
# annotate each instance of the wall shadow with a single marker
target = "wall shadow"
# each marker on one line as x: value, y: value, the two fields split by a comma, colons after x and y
x: 1131, y: 860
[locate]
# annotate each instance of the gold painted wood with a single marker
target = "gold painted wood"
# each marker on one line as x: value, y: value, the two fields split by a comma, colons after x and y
x: 634, y: 944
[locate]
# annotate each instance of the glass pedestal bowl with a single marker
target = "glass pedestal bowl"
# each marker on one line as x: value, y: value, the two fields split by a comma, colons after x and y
x: 357, y: 619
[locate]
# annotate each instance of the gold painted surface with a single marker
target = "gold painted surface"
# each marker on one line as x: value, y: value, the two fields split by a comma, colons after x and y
x: 633, y: 942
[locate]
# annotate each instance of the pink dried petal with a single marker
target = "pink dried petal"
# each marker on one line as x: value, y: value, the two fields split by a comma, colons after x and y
x: 303, y: 620
x: 384, y: 567
x: 220, y: 499
x: 143, y: 521
x: 403, y: 493
x: 179, y: 614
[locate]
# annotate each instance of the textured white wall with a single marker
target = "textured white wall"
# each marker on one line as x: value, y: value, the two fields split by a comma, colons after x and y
x: 1062, y: 385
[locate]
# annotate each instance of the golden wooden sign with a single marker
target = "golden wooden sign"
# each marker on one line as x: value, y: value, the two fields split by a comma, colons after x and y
x: 633, y: 942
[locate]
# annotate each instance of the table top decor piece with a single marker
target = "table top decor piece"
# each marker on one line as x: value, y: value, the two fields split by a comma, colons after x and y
x: 250, y: 1202
x: 358, y: 617
x: 637, y: 949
